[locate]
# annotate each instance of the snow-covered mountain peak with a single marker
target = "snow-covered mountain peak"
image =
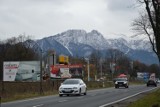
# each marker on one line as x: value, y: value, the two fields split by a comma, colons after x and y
x: 95, y: 32
x: 82, y: 43
x: 93, y: 38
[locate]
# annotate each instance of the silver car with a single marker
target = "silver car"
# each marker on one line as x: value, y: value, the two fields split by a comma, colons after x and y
x: 121, y: 82
x: 72, y: 87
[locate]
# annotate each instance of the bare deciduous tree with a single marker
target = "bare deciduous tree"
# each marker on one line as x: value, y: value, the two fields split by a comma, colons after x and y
x: 149, y: 24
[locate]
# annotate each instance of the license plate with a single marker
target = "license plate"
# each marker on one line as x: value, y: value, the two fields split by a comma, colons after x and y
x: 67, y: 90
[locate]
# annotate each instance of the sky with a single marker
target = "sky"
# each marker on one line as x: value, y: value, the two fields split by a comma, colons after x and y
x: 43, y: 18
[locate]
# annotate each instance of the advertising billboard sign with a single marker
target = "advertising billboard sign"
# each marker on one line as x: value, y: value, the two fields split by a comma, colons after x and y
x: 153, y: 76
x: 143, y: 75
x: 21, y: 71
x: 66, y: 71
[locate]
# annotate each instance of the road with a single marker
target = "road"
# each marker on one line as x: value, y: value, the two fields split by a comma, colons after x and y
x: 94, y: 98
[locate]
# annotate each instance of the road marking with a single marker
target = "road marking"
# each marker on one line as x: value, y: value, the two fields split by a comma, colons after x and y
x: 38, y: 105
x: 62, y: 101
x: 126, y: 98
x: 93, y: 95
x: 31, y: 99
x: 80, y: 97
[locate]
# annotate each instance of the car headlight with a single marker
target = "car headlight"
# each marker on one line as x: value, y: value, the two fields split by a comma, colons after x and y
x: 125, y: 82
x: 116, y: 82
x: 75, y: 88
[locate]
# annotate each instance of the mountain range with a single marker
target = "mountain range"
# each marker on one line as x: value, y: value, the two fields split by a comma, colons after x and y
x: 81, y: 43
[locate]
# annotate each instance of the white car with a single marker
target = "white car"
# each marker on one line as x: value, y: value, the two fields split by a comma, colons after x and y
x: 72, y: 87
x: 121, y: 82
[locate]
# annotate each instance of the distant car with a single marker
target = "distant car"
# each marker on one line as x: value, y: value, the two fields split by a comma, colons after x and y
x: 151, y: 83
x: 73, y: 87
x: 158, y: 81
x: 121, y: 82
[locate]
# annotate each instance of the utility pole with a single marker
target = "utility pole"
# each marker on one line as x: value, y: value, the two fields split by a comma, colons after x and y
x: 101, y: 66
x: 88, y: 68
x: 41, y: 90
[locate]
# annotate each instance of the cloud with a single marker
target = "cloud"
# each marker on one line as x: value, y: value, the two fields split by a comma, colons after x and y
x: 42, y: 18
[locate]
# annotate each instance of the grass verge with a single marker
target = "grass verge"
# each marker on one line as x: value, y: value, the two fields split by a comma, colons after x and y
x: 32, y: 94
x: 27, y: 95
x: 149, y: 100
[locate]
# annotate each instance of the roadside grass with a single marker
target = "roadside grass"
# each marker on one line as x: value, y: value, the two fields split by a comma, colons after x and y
x: 7, y: 96
x: 33, y: 94
x: 100, y: 84
x: 150, y: 100
x: 24, y: 96
x: 136, y: 82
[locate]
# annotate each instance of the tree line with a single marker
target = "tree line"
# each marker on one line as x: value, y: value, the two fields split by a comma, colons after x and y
x: 15, y: 49
x: 19, y: 49
x: 100, y: 65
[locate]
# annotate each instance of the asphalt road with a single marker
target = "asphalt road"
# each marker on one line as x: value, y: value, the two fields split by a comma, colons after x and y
x: 94, y: 98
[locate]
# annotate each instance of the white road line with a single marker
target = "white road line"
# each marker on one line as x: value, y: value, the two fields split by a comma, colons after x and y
x: 93, y: 95
x: 126, y: 98
x: 62, y: 101
x: 80, y: 97
x: 38, y: 105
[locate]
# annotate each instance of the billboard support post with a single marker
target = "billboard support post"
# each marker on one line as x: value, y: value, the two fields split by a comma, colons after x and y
x: 0, y: 100
x: 2, y: 92
x: 41, y: 55
x: 2, y: 86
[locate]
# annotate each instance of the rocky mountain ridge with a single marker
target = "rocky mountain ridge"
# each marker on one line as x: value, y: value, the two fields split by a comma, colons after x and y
x: 81, y: 43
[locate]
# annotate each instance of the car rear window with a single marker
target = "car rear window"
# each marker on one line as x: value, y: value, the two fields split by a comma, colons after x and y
x: 71, y: 82
x: 121, y: 79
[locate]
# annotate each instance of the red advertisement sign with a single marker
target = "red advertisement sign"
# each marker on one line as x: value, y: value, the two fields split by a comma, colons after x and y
x: 66, y: 71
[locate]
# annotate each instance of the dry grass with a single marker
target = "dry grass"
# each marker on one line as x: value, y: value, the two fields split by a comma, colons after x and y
x: 150, y: 100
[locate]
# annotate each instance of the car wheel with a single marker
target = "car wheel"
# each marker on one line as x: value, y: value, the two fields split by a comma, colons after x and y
x: 60, y: 95
x: 79, y: 92
x: 126, y: 86
x: 85, y: 93
x: 116, y: 86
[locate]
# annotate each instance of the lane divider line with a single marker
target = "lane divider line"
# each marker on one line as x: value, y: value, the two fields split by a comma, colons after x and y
x: 38, y: 105
x: 62, y: 101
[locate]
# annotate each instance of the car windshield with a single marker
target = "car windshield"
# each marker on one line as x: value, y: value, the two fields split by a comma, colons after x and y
x: 69, y: 81
x: 121, y: 79
x: 150, y: 81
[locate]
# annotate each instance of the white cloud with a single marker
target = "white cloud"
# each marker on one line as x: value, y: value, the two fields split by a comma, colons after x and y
x: 42, y: 18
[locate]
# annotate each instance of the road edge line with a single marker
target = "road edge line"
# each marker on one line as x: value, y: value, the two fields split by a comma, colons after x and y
x: 126, y: 98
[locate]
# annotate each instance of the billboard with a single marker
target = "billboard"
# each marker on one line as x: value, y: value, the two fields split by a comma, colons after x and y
x: 21, y: 71
x: 66, y: 71
x: 143, y: 75
x: 152, y: 76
